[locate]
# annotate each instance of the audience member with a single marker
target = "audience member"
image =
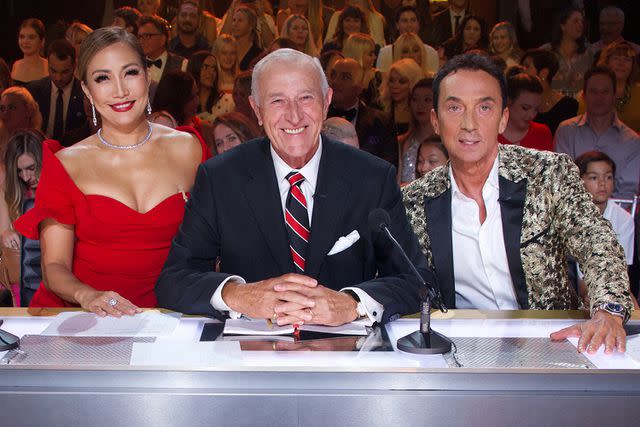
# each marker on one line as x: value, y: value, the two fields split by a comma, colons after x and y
x: 316, y: 13
x: 265, y: 24
x: 164, y: 118
x: 212, y: 102
x: 32, y: 66
x: 342, y: 130
x: 297, y: 29
x: 153, y: 34
x: 503, y: 42
x: 447, y: 23
x: 232, y: 129
x: 241, y: 93
x: 244, y: 28
x: 422, y: 15
x: 554, y: 107
x: 5, y: 76
x: 611, y: 25
x: 420, y: 128
x: 469, y: 216
x: 352, y: 20
x: 362, y: 49
x: 409, y: 45
x: 128, y: 18
x: 524, y: 96
x: 328, y: 59
x: 375, y: 21
x: 396, y: 91
x: 600, y: 129
x: 371, y: 125
x: 225, y: 49
x: 149, y: 7
x: 279, y: 43
x: 18, y: 110
x: 471, y: 34
x: 104, y: 252
x: 431, y: 154
x: 76, y: 33
x: 574, y: 55
x: 85, y: 130
x: 407, y: 22
x: 59, y: 95
x: 188, y: 40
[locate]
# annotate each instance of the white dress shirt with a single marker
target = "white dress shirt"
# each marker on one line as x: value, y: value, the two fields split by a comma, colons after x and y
x: 66, y: 96
x: 480, y: 266
x: 310, y: 172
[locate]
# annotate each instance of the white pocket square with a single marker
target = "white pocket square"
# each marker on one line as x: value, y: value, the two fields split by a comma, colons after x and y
x: 344, y: 242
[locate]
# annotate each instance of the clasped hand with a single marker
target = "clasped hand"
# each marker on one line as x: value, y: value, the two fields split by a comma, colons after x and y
x: 291, y: 299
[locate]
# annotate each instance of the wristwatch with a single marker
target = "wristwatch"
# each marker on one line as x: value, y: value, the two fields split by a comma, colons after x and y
x: 614, y: 309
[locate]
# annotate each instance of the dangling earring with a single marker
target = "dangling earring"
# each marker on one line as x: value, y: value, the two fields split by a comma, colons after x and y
x: 148, y: 107
x: 93, y: 111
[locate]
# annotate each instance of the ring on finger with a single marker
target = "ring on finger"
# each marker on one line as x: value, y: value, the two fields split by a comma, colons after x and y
x: 112, y: 302
x: 274, y: 317
x: 311, y: 313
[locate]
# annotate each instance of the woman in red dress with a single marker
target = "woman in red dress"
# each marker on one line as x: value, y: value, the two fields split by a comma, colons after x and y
x: 107, y: 207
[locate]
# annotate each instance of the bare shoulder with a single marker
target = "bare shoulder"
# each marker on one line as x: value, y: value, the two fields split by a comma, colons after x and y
x: 179, y: 146
x: 80, y: 154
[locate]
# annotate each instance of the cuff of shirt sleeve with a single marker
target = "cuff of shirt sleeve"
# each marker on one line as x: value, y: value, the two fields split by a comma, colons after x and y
x: 373, y: 308
x: 218, y: 303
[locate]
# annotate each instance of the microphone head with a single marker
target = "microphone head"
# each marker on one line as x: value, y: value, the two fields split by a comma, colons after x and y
x: 378, y: 219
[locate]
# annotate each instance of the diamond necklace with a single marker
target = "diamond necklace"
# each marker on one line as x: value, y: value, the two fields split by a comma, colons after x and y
x: 126, y: 147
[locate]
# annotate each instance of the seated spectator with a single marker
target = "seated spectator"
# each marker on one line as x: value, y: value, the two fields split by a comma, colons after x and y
x: 18, y: 110
x: 165, y: 118
x: 391, y: 8
x: 128, y: 18
x: 445, y: 24
x: 225, y: 49
x: 84, y: 130
x: 570, y: 46
x: 208, y: 24
x: 623, y: 61
x: 524, y: 95
x: 503, y: 42
x: 554, y: 107
x: 177, y: 94
x: 597, y: 171
x: 241, y: 93
x: 362, y: 49
x: 265, y: 24
x: 5, y: 76
x: 188, y: 40
x: 232, y: 129
x: 316, y: 13
x: 244, y: 28
x: 149, y: 7
x: 203, y: 66
x: 371, y: 125
x: 599, y: 128
x: 375, y: 21
x: 280, y: 43
x: 76, y: 33
x: 341, y: 130
x: 328, y: 60
x: 32, y: 66
x: 153, y: 34
x: 611, y: 25
x: 409, y: 45
x: 420, y: 128
x: 395, y: 93
x: 407, y: 22
x: 431, y: 154
x: 352, y: 19
x: 59, y: 95
x: 297, y: 29
x: 471, y: 34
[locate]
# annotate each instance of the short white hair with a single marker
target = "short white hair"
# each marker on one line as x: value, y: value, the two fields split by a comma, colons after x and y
x: 614, y: 11
x: 290, y: 57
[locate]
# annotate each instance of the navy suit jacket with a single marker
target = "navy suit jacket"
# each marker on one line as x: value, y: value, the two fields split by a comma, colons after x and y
x: 235, y: 217
x: 41, y: 92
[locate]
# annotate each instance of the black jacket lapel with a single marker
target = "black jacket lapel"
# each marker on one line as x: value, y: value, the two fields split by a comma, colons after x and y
x: 438, y: 214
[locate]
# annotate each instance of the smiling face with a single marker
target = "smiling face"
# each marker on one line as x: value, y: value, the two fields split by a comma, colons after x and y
x: 225, y: 138
x: 500, y: 41
x: 470, y: 117
x: 117, y: 85
x: 27, y: 170
x: 29, y: 41
x: 291, y: 108
x: 408, y: 22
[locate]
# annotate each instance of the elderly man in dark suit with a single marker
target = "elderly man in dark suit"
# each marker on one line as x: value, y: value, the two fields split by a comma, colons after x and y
x: 59, y: 95
x: 285, y: 218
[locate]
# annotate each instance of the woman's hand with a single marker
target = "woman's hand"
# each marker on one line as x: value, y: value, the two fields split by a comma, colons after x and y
x: 107, y: 303
x: 11, y: 239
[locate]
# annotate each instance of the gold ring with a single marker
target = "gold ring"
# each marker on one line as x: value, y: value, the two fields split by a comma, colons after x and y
x: 311, y: 313
x: 274, y: 318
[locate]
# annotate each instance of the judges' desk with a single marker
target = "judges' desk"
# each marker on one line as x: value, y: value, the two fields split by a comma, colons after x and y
x: 177, y: 380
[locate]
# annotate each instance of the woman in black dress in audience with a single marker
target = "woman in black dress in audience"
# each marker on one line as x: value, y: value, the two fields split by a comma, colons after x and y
x: 471, y: 34
x: 244, y: 27
x: 352, y: 20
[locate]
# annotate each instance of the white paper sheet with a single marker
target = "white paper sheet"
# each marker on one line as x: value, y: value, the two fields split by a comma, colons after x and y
x: 165, y: 352
x: 81, y: 324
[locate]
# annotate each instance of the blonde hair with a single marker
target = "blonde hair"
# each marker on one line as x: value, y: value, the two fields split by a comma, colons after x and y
x: 515, y: 52
x: 408, y: 40
x: 19, y: 92
x: 74, y: 29
x: 252, y: 17
x: 217, y: 48
x: 309, y: 45
x: 406, y: 68
x: 357, y: 46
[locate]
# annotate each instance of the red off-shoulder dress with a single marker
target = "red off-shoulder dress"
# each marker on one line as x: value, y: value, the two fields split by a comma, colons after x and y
x: 116, y: 247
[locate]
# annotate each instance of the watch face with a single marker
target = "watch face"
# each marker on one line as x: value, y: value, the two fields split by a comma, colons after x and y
x: 613, y: 307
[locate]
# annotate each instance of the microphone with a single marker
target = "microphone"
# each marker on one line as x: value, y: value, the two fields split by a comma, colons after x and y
x: 426, y: 340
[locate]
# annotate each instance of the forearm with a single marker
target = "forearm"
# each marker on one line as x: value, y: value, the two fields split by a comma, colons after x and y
x: 59, y: 279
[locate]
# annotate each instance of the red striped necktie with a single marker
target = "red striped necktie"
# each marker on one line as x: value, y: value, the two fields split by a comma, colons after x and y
x: 297, y: 219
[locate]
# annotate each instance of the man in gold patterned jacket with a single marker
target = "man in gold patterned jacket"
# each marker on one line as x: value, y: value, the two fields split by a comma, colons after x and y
x: 497, y: 222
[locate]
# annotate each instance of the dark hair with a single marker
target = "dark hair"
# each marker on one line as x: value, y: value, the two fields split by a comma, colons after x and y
x: 194, y: 67
x: 427, y: 83
x: 350, y: 12
x: 34, y: 23
x: 194, y: 3
x: 473, y: 62
x: 455, y: 45
x: 599, y: 70
x: 522, y: 82
x: 514, y: 70
x: 173, y: 93
x: 238, y: 123
x: 499, y: 61
x: 403, y: 9
x: 557, y: 35
x: 435, y: 141
x: 102, y: 38
x: 583, y: 161
x: 62, y: 49
x: 159, y: 22
x: 284, y: 43
x: 5, y: 75
x: 327, y: 56
x: 130, y: 15
x: 543, y: 59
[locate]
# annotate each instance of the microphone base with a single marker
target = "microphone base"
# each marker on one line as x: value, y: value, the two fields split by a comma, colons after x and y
x: 424, y: 343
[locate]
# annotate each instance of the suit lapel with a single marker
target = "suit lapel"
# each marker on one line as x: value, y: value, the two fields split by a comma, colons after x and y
x: 263, y: 197
x: 46, y: 105
x: 328, y: 207
x: 512, y: 198
x: 438, y: 215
